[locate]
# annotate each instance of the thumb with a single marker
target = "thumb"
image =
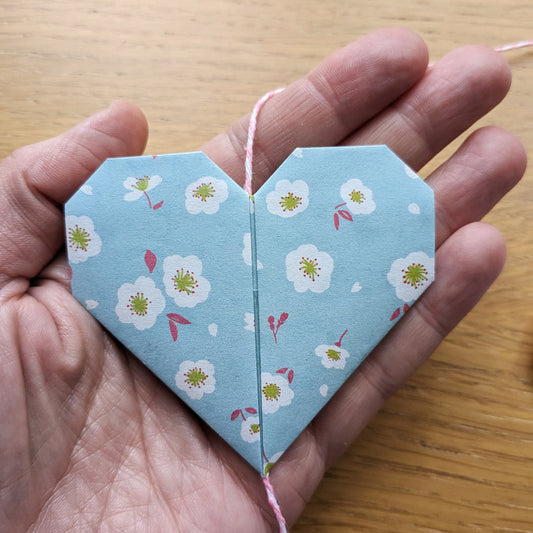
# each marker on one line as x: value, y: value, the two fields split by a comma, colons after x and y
x: 36, y: 180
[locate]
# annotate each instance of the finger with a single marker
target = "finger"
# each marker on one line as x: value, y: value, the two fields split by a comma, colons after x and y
x: 456, y: 92
x: 36, y: 179
x: 467, y: 264
x: 488, y: 164
x: 321, y: 109
x: 58, y: 270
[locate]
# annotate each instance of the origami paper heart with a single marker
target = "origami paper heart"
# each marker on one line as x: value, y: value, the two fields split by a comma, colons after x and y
x: 253, y: 310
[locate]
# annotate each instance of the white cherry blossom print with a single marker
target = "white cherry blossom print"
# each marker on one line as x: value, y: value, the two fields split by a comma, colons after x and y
x: 250, y: 429
x: 332, y: 356
x: 249, y: 320
x: 247, y: 251
x: 205, y: 195
x: 288, y: 199
x: 276, y: 392
x: 309, y: 269
x: 411, y: 275
x: 82, y: 240
x: 139, y: 303
x: 139, y: 186
x: 196, y: 378
x: 358, y: 198
x: 183, y: 280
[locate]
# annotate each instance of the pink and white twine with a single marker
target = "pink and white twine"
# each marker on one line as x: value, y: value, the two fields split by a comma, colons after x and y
x: 272, y: 501
x: 251, y: 137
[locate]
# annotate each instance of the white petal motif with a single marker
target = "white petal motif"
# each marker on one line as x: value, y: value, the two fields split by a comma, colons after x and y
x: 411, y: 275
x: 358, y: 198
x: 411, y: 173
x: 247, y: 251
x: 138, y: 186
x: 82, y: 240
x: 183, y: 280
x: 249, y: 319
x: 309, y: 269
x: 139, y: 303
x: 332, y: 355
x: 205, y: 195
x: 276, y: 392
x: 250, y: 429
x: 288, y: 199
x: 196, y: 378
x: 414, y: 209
x: 91, y: 304
x: 356, y: 287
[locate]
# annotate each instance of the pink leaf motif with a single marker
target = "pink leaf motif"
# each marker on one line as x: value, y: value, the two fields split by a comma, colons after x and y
x: 154, y: 156
x: 395, y: 315
x: 173, y: 330
x: 177, y: 318
x: 405, y: 308
x: 290, y: 376
x: 150, y: 259
x: 235, y: 414
x: 158, y: 205
x: 281, y: 371
x: 251, y: 410
x: 336, y: 220
x: 346, y: 215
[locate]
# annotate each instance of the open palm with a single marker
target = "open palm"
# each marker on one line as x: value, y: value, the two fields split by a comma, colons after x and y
x: 91, y: 439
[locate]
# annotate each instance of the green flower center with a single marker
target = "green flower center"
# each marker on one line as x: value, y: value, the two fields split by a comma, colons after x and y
x: 204, y: 191
x: 138, y: 304
x: 310, y: 268
x: 415, y: 275
x: 142, y: 184
x: 357, y: 197
x: 272, y: 392
x: 79, y: 238
x: 290, y: 202
x: 334, y: 355
x: 254, y: 428
x: 195, y: 377
x: 268, y: 467
x: 184, y: 281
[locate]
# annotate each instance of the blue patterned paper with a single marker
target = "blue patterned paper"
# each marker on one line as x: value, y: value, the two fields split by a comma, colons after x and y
x: 162, y: 250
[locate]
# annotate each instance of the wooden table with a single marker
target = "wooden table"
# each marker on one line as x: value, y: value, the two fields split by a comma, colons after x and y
x: 453, y: 450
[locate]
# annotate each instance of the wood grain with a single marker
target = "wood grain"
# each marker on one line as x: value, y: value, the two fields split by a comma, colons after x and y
x: 453, y: 450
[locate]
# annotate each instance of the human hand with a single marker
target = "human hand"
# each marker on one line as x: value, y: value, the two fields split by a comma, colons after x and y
x: 91, y: 439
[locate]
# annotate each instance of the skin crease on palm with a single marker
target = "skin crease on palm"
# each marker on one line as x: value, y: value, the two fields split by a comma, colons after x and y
x: 90, y: 439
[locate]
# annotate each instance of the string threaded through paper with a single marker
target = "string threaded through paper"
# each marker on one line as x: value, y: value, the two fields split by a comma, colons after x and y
x: 272, y: 501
